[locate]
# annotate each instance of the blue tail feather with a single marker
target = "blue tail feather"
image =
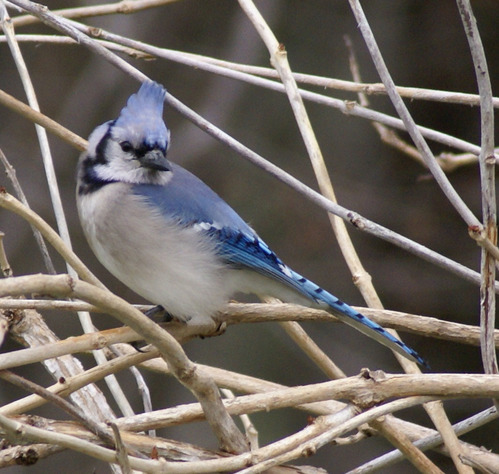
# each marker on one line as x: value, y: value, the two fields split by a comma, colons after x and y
x: 247, y: 250
x: 350, y: 316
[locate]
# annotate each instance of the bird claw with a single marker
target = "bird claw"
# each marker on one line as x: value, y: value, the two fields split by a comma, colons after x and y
x: 219, y: 330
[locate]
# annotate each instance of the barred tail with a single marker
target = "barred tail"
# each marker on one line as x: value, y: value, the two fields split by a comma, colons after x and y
x: 350, y: 316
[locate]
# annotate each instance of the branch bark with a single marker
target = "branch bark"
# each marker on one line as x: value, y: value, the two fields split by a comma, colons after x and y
x: 203, y: 387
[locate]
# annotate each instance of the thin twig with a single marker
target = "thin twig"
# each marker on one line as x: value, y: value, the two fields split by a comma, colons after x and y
x: 251, y: 385
x: 308, y: 346
x: 280, y: 62
x: 12, y: 204
x: 61, y: 403
x: 4, y: 261
x: 346, y: 107
x: 323, y: 431
x: 11, y: 173
x: 487, y: 174
x: 24, y: 432
x: 365, y: 392
x: 312, y: 350
x: 249, y: 428
x: 435, y: 411
x: 386, y: 134
x: 403, y: 443
x: 58, y: 209
x: 121, y: 451
x: 404, y: 114
x: 41, y: 133
x: 412, y: 93
x: 53, y: 186
x: 28, y: 328
x: 68, y: 385
x: 461, y: 428
x: 34, y: 116
x: 122, y: 7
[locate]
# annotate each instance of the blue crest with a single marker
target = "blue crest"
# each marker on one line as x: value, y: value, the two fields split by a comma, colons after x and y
x: 141, y: 121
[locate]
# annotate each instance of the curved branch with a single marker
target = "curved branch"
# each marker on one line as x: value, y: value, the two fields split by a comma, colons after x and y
x: 185, y: 371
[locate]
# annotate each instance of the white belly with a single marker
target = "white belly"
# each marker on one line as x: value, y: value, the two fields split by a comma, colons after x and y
x: 164, y: 263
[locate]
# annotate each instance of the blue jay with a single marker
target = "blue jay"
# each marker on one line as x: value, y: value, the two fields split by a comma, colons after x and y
x: 170, y: 238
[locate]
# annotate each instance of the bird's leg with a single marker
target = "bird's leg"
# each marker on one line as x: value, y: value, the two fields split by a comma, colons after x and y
x: 159, y: 314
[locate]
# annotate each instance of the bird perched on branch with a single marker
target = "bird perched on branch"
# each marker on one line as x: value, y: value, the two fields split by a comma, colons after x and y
x: 174, y: 241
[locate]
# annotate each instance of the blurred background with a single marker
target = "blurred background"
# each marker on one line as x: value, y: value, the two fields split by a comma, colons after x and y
x: 424, y: 46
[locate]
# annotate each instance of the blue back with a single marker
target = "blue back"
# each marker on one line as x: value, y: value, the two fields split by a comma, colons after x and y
x: 189, y: 200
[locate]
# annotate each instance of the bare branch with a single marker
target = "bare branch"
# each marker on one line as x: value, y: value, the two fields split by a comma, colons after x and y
x: 433, y: 441
x: 487, y: 172
x: 11, y: 173
x: 336, y: 420
x: 24, y: 432
x: 12, y: 204
x: 184, y: 370
x: 61, y: 403
x: 122, y: 7
x: 46, y: 122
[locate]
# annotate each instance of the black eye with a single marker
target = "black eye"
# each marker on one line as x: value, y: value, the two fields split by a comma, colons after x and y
x: 126, y: 146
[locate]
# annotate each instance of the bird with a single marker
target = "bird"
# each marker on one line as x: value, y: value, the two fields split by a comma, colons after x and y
x: 170, y: 238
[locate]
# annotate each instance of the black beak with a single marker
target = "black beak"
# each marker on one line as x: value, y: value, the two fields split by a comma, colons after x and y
x: 155, y: 160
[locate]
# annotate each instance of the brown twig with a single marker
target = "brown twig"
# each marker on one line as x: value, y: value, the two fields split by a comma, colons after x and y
x: 64, y: 405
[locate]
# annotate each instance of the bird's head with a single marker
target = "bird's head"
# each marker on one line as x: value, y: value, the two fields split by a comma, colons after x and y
x: 133, y: 147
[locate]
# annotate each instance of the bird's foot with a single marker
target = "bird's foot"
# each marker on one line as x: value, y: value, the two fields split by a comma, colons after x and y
x: 158, y: 314
x: 219, y: 330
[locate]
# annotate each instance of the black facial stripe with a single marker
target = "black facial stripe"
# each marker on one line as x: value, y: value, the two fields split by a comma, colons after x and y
x: 89, y: 181
x: 100, y: 150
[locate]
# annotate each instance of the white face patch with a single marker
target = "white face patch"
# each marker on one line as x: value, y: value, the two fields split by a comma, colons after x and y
x: 123, y: 166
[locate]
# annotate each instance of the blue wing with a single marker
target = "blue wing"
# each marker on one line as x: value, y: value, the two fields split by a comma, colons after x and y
x: 191, y: 202
x: 187, y: 199
x: 251, y: 252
